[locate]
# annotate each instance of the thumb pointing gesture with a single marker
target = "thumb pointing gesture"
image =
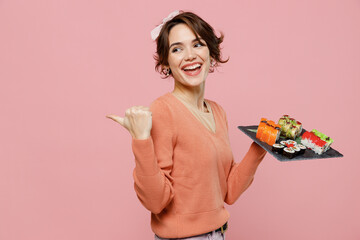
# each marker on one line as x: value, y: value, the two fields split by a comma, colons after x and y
x: 117, y: 119
x: 137, y: 120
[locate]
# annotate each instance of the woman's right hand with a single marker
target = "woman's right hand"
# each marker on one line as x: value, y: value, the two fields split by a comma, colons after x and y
x: 137, y: 120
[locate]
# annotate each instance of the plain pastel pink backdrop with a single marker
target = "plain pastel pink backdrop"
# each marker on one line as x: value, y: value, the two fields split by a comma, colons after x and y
x: 66, y: 170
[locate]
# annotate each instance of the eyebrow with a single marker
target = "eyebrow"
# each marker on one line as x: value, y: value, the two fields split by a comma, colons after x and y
x: 180, y: 43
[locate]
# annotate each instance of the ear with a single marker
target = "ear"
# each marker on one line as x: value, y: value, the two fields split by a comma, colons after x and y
x: 166, y: 70
x: 164, y: 67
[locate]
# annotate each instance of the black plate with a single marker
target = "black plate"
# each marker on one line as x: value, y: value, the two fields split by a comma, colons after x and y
x: 309, y: 154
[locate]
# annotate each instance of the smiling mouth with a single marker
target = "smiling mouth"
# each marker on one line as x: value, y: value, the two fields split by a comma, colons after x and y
x: 192, y: 67
x: 192, y: 70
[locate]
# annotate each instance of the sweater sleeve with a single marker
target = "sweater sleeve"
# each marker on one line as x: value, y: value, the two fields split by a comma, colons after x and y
x: 242, y: 174
x: 153, y: 159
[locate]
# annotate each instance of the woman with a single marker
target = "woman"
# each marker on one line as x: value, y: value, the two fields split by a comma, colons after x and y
x: 185, y: 169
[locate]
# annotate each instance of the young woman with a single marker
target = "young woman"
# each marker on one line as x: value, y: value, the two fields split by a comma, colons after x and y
x: 185, y: 170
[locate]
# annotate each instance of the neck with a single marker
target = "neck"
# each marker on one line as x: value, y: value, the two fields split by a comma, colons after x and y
x: 192, y: 95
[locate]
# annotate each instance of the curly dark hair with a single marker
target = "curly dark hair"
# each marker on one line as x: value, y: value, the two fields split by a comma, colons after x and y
x: 199, y: 27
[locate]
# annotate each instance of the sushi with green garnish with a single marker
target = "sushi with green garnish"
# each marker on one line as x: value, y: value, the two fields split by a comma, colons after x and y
x: 323, y: 137
x: 310, y: 140
x: 290, y: 127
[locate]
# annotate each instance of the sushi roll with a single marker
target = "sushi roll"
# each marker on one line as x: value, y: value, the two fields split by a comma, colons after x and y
x: 291, y: 133
x: 265, y: 134
x: 278, y: 128
x: 323, y: 137
x: 273, y: 136
x: 289, y: 152
x: 261, y: 128
x: 278, y: 148
x: 291, y: 142
x: 285, y: 128
x: 282, y: 121
x: 293, y: 121
x: 284, y: 142
x: 296, y: 149
x: 284, y: 117
x: 290, y: 127
x: 272, y: 123
x: 268, y: 131
x: 298, y: 127
x: 302, y: 148
x: 310, y: 140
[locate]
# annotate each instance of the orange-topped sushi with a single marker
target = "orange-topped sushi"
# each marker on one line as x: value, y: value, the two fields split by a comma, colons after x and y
x: 268, y: 131
x: 271, y: 123
x: 261, y: 128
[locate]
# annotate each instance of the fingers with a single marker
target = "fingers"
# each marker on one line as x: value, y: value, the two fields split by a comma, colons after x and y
x: 137, y: 120
x: 129, y: 112
x: 117, y: 119
x: 137, y: 110
x: 140, y: 108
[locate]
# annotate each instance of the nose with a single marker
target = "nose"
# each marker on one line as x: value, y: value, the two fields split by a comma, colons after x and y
x: 190, y: 54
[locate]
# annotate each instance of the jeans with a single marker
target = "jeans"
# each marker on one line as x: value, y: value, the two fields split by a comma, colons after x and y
x: 207, y: 236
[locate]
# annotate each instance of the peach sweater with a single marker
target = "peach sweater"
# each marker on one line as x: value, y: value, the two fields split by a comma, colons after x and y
x: 184, y: 173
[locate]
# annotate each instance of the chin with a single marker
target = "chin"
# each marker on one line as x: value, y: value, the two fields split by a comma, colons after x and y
x: 192, y: 80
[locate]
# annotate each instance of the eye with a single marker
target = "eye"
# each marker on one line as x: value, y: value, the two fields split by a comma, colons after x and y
x: 176, y: 49
x: 199, y: 44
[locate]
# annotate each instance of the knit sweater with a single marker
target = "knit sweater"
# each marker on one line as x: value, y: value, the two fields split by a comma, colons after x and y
x: 184, y: 173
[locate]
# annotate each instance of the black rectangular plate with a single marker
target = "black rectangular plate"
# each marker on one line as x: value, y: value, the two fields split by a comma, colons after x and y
x: 308, y: 155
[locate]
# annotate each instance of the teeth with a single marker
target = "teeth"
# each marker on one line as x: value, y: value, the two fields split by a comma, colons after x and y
x: 192, y: 67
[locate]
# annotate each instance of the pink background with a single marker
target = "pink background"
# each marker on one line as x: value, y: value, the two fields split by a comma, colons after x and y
x: 66, y: 170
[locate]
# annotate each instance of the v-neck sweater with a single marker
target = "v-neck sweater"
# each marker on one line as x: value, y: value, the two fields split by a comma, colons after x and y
x: 206, y: 118
x: 184, y: 173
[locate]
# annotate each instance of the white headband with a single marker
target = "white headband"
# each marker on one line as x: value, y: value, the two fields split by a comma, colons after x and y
x: 156, y: 31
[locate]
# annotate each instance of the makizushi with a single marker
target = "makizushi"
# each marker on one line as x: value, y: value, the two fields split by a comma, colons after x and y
x: 278, y: 148
x: 289, y: 152
x: 302, y: 148
x: 291, y: 142
x: 292, y: 145
x: 296, y: 149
